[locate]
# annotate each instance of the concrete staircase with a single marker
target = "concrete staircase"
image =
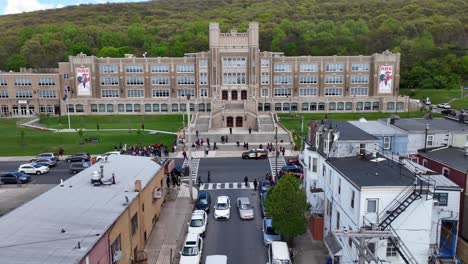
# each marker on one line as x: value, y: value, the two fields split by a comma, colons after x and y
x: 202, y: 123
x: 265, y: 123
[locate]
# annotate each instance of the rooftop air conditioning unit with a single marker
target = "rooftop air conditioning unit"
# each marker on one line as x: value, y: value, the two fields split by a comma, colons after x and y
x: 436, y: 203
x: 117, y: 256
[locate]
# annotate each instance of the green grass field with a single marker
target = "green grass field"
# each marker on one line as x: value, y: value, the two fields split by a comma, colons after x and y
x: 293, y: 122
x: 171, y: 123
x: 438, y: 96
x: 25, y: 142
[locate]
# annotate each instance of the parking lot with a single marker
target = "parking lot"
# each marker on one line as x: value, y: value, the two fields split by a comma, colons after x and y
x: 60, y: 171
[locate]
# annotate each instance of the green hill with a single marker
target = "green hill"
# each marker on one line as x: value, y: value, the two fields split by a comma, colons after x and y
x: 431, y: 35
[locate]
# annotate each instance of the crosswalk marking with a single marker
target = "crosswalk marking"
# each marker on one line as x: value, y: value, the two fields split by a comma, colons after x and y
x: 281, y: 163
x: 226, y: 186
x: 195, y: 164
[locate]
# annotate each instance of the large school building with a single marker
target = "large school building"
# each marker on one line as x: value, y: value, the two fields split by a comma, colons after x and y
x: 233, y: 83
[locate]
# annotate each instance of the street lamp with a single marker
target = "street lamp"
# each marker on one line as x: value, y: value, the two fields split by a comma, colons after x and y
x: 276, y: 152
x: 189, y: 142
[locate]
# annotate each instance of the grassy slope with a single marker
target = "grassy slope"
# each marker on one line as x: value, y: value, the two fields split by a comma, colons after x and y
x: 437, y: 96
x: 36, y: 141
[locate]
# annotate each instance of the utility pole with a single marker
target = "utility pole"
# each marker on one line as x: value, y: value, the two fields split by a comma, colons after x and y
x: 302, y: 132
x: 189, y: 143
x: 276, y: 152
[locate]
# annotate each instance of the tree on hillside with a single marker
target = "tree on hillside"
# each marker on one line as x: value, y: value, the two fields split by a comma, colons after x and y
x: 286, y: 203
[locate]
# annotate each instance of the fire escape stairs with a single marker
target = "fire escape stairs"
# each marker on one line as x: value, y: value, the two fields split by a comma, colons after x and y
x: 399, y: 209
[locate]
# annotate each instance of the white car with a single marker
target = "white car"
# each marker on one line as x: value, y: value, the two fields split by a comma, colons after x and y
x: 444, y: 105
x: 245, y: 208
x: 222, y: 208
x: 33, y: 168
x: 107, y: 154
x: 216, y: 259
x: 192, y: 251
x: 197, y: 224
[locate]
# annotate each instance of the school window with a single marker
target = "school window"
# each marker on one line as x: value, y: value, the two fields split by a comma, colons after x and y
x: 308, y: 92
x: 442, y: 198
x: 203, y: 78
x: 234, y: 62
x: 391, y: 249
x: 264, y: 92
x: 337, y: 220
x: 424, y: 163
x: 314, y: 164
x: 3, y: 94
x: 159, y: 68
x: 334, y: 67
x: 93, y: 108
x: 308, y: 67
x: 135, y: 93
x: 109, y: 81
x: 185, y: 92
x: 359, y: 78
x: 234, y: 78
x: 308, y: 79
x: 324, y: 169
x: 3, y: 82
x: 353, y: 197
x: 283, y: 79
x: 359, y: 91
x: 109, y: 93
x: 282, y: 92
x: 23, y: 81
x: 333, y: 91
x: 135, y: 81
x: 360, y: 67
x: 115, y: 246
x: 185, y: 68
x: 265, y: 77
x: 445, y: 171
x: 371, y: 206
x: 23, y: 94
x: 108, y: 68
x: 134, y: 68
x: 46, y: 82
x: 283, y: 67
x: 47, y: 94
x: 66, y: 76
x: 430, y: 140
x: 265, y: 63
x: 387, y: 141
x: 203, y: 63
x: 333, y: 79
x: 185, y: 80
x: 160, y: 80
x: 203, y: 92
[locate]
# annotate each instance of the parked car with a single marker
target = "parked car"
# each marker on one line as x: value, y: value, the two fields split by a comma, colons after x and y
x: 464, y: 111
x: 79, y: 157
x: 48, y: 155
x: 46, y: 162
x: 246, y: 211
x: 264, y: 186
x: 33, y: 168
x: 222, y: 208
x: 14, y: 177
x: 427, y: 101
x: 293, y: 161
x: 192, y: 251
x: 278, y: 252
x: 444, y: 105
x: 197, y: 224
x: 449, y: 112
x: 216, y: 259
x: 178, y: 171
x: 107, y: 154
x: 78, y: 167
x: 262, y: 204
x: 269, y: 234
x: 292, y: 169
x: 203, y: 202
x: 255, y: 154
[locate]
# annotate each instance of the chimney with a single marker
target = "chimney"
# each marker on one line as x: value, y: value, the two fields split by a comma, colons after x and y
x: 312, y: 130
x: 138, y: 186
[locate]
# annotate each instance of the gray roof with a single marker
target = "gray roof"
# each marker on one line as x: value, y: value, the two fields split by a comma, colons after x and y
x: 378, y: 128
x: 32, y: 232
x: 453, y: 157
x: 436, y: 124
x: 366, y: 173
x: 442, y: 182
x: 347, y: 130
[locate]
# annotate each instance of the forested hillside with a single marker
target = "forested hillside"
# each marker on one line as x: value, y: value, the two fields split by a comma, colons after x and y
x: 431, y: 35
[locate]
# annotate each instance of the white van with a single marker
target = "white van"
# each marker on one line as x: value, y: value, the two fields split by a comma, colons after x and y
x: 216, y: 259
x: 278, y: 253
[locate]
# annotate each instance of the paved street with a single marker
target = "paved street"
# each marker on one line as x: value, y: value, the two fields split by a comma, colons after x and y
x: 240, y: 240
x: 60, y: 171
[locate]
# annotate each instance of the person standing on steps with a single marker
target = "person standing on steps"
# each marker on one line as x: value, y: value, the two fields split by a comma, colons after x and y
x: 230, y: 131
x: 226, y: 138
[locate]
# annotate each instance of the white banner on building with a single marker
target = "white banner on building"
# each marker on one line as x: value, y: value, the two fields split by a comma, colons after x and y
x: 83, y: 81
x: 385, y: 79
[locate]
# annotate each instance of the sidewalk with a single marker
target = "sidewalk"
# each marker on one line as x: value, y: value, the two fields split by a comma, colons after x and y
x: 170, y: 229
x: 309, y: 251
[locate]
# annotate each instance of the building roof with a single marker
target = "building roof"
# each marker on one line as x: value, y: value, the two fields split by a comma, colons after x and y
x: 347, y: 130
x: 452, y: 157
x: 436, y: 124
x: 442, y: 182
x: 378, y: 128
x: 32, y: 232
x: 367, y: 173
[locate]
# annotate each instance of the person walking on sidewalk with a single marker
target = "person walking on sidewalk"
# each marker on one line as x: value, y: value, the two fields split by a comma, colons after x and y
x: 168, y: 181
x: 214, y: 145
x: 226, y: 138
x: 60, y: 151
x: 238, y: 143
x: 255, y: 184
x: 184, y: 154
x: 246, y: 181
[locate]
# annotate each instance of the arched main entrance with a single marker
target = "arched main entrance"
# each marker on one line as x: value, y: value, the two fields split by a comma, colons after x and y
x: 238, y: 121
x: 229, y: 121
x: 243, y: 95
x: 224, y: 95
x: 234, y: 95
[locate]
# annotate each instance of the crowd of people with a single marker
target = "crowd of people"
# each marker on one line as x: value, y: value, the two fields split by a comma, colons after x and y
x: 155, y: 150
